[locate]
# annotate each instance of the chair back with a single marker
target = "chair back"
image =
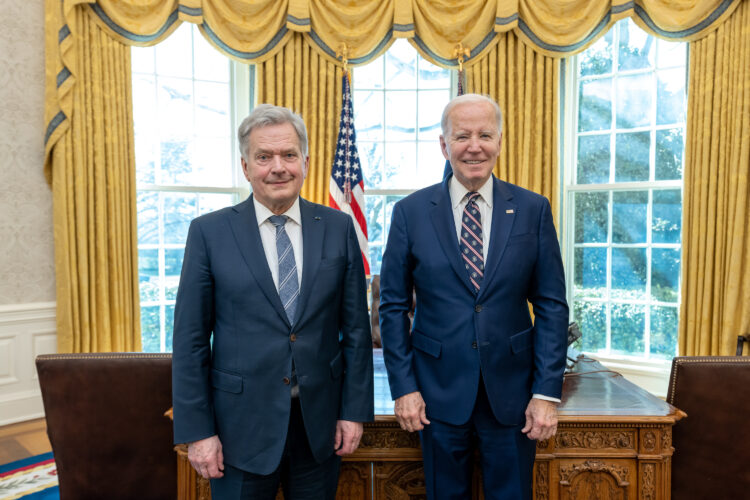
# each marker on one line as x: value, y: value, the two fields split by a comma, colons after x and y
x: 712, y: 445
x: 106, y: 423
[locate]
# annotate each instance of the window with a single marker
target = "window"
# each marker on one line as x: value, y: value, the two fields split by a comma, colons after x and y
x: 398, y: 102
x: 185, y: 94
x: 623, y: 193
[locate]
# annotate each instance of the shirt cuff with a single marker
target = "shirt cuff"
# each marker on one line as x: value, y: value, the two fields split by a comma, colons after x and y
x: 546, y: 398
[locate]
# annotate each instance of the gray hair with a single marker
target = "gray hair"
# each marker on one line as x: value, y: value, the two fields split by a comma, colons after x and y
x: 471, y: 98
x: 267, y: 114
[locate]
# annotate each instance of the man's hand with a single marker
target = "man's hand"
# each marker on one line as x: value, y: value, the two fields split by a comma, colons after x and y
x: 541, y: 419
x: 410, y: 412
x: 347, y: 436
x: 206, y: 457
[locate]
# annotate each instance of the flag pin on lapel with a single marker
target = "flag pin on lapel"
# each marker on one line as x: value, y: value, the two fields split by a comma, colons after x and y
x: 509, y: 211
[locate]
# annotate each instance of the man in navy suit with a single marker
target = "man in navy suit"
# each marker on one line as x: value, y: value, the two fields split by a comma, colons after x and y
x: 272, y: 364
x: 474, y: 369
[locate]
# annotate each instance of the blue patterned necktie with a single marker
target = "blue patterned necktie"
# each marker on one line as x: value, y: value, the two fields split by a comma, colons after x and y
x: 288, y: 284
x: 471, y: 240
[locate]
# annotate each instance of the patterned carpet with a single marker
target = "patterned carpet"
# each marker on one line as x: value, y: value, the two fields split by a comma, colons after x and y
x: 31, y: 478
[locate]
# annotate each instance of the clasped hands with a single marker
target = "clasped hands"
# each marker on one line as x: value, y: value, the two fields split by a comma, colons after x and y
x: 541, y: 416
x: 207, y: 458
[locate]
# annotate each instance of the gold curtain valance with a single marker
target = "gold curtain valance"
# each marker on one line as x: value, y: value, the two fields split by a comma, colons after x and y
x: 254, y: 31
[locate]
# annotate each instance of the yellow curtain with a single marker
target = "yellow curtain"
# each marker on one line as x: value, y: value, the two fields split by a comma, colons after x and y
x: 302, y: 80
x: 92, y: 169
x: 525, y: 85
x: 716, y: 207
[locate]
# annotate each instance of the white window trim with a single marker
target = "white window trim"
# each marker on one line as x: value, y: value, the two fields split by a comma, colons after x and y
x: 649, y: 374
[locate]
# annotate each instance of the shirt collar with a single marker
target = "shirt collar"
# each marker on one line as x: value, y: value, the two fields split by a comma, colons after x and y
x: 458, y: 191
x: 262, y: 213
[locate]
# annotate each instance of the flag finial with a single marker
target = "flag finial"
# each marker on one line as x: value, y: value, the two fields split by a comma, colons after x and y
x: 460, y: 53
x: 343, y: 54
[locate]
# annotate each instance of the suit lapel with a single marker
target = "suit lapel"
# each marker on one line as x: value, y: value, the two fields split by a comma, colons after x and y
x: 247, y: 235
x: 313, y: 233
x: 503, y: 216
x: 445, y: 228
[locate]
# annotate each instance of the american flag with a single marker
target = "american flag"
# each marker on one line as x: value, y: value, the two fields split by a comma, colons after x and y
x: 448, y: 169
x: 347, y: 189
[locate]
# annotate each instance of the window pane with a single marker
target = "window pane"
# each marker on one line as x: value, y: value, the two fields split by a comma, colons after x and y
x: 375, y: 214
x: 179, y: 210
x: 401, y: 116
x: 671, y: 54
x: 669, y: 148
x: 368, y: 77
x: 168, y: 325
x: 175, y: 106
x: 371, y: 158
x: 629, y: 212
x: 148, y: 274
x: 591, y: 217
x: 667, y: 216
x: 664, y: 322
x: 209, y: 63
x: 628, y: 326
x: 597, y: 59
x: 368, y: 115
x: 593, y: 159
x: 433, y: 77
x: 431, y: 163
x: 150, y: 329
x: 636, y: 47
x: 376, y: 258
x: 591, y: 272
x: 400, y: 165
x: 210, y: 202
x: 595, y: 105
x: 632, y: 156
x: 212, y: 162
x: 628, y: 273
x: 670, y: 96
x: 665, y: 274
x: 431, y: 104
x: 174, y: 56
x: 401, y: 66
x: 211, y: 109
x: 634, y: 101
x: 592, y: 320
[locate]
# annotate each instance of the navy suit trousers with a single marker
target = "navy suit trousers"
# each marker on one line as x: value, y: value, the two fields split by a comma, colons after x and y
x: 506, y: 456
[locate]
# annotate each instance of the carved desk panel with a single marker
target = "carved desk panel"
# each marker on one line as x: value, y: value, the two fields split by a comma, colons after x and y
x: 614, y: 442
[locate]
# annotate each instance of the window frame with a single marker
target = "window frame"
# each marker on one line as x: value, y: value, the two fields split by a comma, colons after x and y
x: 651, y: 374
x: 241, y: 87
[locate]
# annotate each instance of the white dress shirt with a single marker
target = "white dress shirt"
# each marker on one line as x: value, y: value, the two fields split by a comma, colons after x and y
x: 457, y: 193
x: 267, y: 230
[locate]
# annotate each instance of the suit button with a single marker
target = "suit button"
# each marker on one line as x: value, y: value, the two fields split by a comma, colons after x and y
x: 474, y: 345
x: 478, y: 308
x: 286, y: 381
x: 292, y: 337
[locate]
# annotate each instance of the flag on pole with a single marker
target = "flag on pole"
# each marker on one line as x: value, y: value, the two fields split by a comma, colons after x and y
x: 448, y: 170
x: 347, y: 187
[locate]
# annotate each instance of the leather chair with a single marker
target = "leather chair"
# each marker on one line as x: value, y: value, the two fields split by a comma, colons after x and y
x: 712, y: 445
x: 106, y: 424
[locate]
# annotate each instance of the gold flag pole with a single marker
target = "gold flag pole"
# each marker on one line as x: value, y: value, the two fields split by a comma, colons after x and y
x: 460, y: 53
x: 343, y: 54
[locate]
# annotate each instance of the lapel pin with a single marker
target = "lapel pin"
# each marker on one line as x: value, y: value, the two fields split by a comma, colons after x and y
x: 509, y: 211
x: 316, y: 218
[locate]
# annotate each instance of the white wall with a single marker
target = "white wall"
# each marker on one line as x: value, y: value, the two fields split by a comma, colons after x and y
x: 27, y: 272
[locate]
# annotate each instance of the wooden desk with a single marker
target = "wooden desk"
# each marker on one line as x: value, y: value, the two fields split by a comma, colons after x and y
x: 614, y: 442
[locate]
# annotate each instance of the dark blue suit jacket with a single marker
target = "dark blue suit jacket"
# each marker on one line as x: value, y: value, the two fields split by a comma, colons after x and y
x: 456, y: 332
x: 232, y: 340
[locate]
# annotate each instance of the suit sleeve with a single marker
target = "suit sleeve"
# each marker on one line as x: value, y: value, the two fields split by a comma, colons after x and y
x: 547, y: 296
x: 357, y: 399
x: 396, y: 285
x: 191, y: 349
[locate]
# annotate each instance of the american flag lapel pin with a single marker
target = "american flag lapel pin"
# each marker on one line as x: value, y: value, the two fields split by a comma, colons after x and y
x: 509, y: 211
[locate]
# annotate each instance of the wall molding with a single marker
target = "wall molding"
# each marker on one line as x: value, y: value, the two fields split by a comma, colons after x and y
x: 26, y: 331
x: 651, y: 375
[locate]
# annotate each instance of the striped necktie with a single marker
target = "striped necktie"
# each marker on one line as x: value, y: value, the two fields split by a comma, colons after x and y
x: 471, y: 240
x: 288, y: 283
